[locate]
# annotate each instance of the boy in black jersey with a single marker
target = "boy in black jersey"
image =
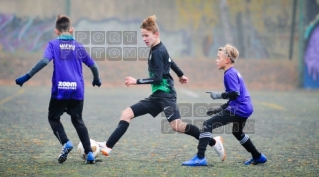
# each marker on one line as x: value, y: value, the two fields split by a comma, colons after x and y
x: 163, y: 97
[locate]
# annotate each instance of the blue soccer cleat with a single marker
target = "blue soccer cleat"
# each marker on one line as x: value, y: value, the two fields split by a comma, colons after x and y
x: 90, y: 158
x: 261, y: 159
x: 67, y: 147
x: 195, y: 161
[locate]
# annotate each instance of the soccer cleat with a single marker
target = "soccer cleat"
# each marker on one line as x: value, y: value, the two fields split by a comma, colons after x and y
x: 195, y: 161
x: 67, y: 147
x: 219, y: 148
x: 90, y: 158
x: 261, y: 159
x: 104, y: 149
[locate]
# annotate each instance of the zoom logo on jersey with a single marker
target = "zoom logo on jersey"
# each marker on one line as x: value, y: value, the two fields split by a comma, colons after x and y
x: 67, y: 85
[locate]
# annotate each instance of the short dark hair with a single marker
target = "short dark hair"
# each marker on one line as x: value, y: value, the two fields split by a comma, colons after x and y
x: 62, y: 23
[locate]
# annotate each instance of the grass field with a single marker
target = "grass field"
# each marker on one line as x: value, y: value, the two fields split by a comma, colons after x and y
x: 285, y: 130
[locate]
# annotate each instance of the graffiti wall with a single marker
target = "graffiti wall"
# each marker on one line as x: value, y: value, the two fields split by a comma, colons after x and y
x: 311, y: 57
x: 29, y: 34
x: 194, y: 28
x: 260, y: 29
x: 311, y: 50
x: 177, y: 42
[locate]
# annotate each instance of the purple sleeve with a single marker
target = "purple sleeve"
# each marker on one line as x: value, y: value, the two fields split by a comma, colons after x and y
x: 48, y: 53
x: 86, y: 58
x: 231, y: 83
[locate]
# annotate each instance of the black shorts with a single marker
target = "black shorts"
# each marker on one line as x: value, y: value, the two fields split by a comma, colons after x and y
x: 155, y: 105
x: 70, y: 106
x: 225, y: 117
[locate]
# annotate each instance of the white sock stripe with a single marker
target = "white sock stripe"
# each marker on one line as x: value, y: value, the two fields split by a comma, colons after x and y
x: 209, y: 134
x: 205, y: 135
x: 200, y: 137
x: 244, y: 139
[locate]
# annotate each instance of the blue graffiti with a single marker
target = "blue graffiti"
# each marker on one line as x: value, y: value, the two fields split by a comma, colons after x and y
x: 29, y: 34
x: 311, y: 57
x: 32, y: 34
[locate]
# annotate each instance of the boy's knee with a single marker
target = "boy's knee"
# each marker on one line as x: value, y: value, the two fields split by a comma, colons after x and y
x: 127, y: 114
x: 175, y: 128
x: 53, y: 118
x: 76, y: 116
x: 77, y: 120
x: 178, y: 125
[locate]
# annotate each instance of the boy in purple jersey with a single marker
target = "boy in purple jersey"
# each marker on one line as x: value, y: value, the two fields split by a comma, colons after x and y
x: 238, y: 108
x: 67, y: 85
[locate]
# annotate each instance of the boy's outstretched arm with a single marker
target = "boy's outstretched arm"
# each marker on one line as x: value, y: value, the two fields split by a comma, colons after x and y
x: 36, y: 68
x: 96, y: 78
x: 224, y: 95
x: 156, y: 77
x: 182, y: 79
x: 176, y: 69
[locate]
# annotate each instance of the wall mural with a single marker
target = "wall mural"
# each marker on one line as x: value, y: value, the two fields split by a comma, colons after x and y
x: 311, y: 55
x: 32, y: 34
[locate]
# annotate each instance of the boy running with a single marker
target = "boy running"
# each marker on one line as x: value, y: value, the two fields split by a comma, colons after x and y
x: 236, y: 110
x: 163, y: 97
x: 67, y: 85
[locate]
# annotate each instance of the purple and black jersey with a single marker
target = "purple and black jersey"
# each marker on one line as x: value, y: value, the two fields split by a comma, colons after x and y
x: 67, y: 55
x: 242, y: 105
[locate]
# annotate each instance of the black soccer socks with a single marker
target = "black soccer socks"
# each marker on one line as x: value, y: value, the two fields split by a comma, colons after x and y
x: 117, y: 134
x: 193, y: 131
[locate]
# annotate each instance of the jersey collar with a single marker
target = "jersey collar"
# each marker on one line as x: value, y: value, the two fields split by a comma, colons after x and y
x: 66, y: 37
x: 158, y: 45
x: 228, y: 69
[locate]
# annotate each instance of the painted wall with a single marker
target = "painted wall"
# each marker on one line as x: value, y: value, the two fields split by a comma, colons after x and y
x: 311, y: 50
x: 311, y: 56
x: 193, y: 28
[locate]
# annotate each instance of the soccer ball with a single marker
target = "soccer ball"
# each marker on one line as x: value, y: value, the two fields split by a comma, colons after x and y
x: 95, y: 148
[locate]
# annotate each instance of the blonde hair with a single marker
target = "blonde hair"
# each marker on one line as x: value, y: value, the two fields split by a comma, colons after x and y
x: 230, y: 52
x: 150, y: 24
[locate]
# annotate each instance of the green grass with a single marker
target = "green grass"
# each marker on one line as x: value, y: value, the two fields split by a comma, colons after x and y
x: 286, y: 131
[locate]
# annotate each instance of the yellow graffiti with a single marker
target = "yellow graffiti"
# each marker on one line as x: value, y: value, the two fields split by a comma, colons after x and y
x: 197, y: 13
x: 261, y: 10
x: 205, y: 14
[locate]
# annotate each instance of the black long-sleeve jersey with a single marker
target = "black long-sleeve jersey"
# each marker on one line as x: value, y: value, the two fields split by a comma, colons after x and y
x: 159, y: 65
